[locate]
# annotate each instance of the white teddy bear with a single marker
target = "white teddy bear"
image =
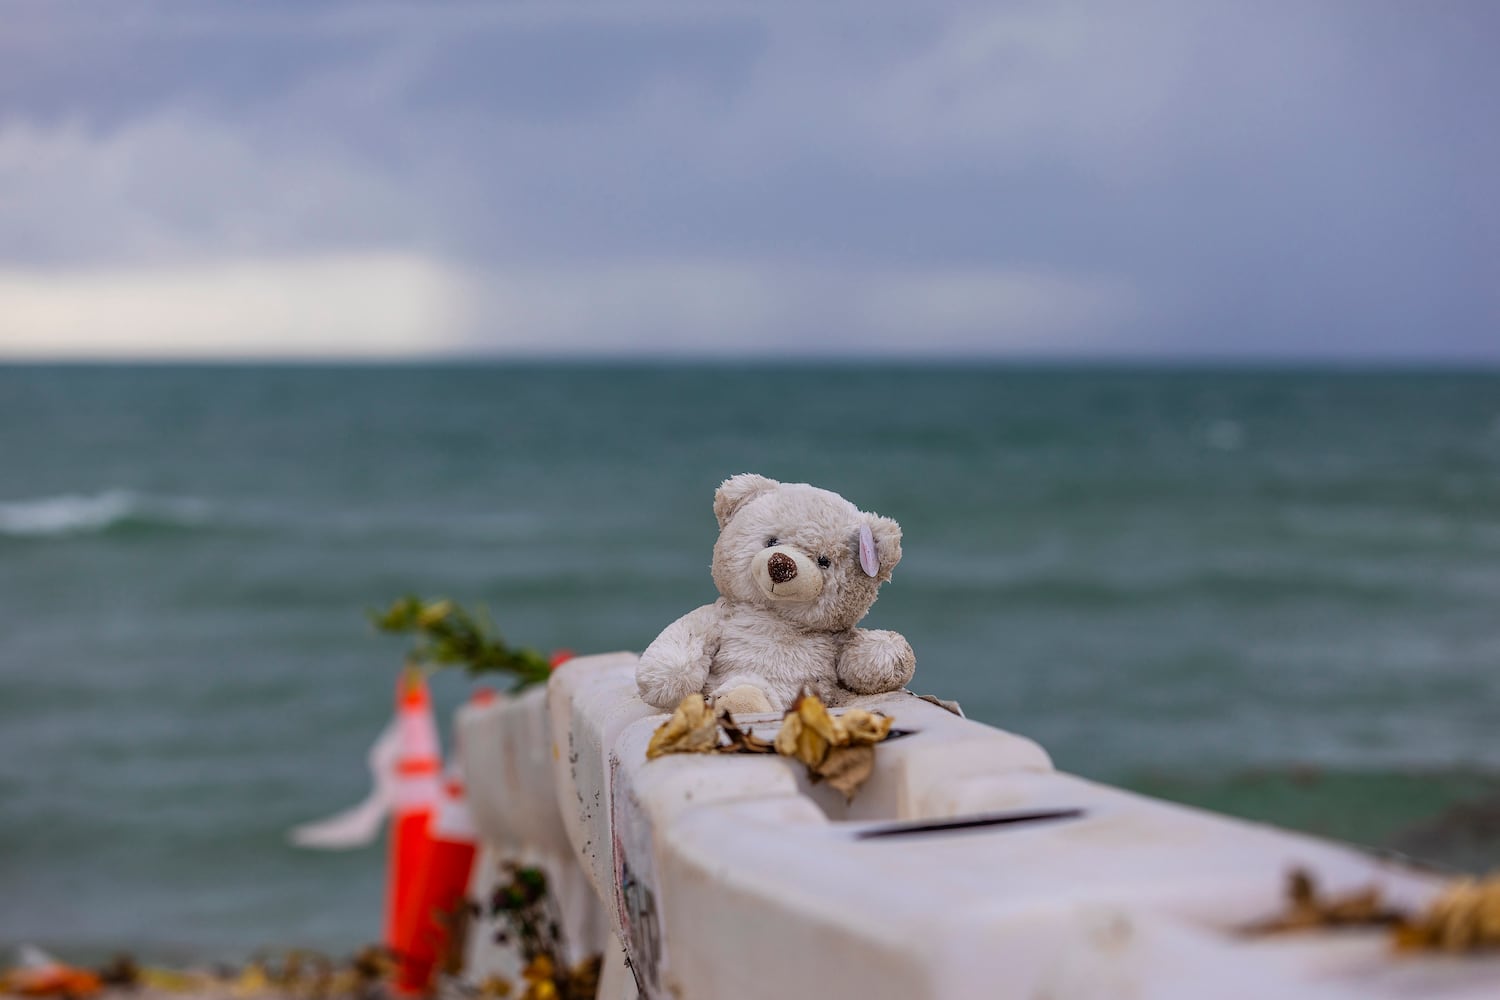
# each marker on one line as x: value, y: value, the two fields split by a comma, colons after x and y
x: 797, y: 567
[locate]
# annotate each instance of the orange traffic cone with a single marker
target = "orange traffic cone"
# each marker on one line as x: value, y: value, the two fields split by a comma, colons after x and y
x: 417, y: 791
x: 440, y: 887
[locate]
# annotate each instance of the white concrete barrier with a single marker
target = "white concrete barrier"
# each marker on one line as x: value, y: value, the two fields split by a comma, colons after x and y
x: 505, y: 748
x: 732, y: 876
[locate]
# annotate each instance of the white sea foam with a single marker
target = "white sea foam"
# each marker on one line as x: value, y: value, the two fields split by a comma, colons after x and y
x: 76, y: 514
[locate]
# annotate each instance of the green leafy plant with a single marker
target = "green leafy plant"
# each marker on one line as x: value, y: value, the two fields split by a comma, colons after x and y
x: 449, y: 636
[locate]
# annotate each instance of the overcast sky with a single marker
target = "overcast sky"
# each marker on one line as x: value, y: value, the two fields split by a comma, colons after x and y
x: 1276, y: 180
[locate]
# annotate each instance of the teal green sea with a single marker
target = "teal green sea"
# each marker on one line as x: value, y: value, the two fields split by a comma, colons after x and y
x: 1275, y: 593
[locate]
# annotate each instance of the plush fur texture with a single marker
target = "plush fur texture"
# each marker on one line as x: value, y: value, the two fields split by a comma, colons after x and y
x: 784, y: 620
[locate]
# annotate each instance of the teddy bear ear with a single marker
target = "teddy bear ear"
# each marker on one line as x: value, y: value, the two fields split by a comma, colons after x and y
x: 887, y: 536
x: 737, y: 491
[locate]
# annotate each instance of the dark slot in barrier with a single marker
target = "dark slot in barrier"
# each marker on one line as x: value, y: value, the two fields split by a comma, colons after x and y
x: 967, y: 823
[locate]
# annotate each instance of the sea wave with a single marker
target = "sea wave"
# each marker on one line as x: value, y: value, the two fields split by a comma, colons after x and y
x: 81, y: 514
x: 122, y: 510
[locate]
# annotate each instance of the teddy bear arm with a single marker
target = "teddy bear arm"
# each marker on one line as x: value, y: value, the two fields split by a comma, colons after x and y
x: 677, y: 662
x: 874, y: 661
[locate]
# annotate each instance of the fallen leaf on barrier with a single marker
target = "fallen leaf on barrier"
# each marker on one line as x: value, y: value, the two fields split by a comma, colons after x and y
x: 691, y: 729
x: 944, y: 704
x: 789, y: 738
x: 807, y: 731
x: 846, y: 768
x: 1306, y: 910
x: 742, y: 740
x: 865, y: 727
x: 1466, y: 917
x: 839, y: 749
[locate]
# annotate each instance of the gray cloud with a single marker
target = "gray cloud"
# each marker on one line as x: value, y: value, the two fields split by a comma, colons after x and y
x: 1298, y: 180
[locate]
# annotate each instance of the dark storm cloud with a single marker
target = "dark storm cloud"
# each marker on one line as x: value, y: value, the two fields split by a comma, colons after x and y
x: 1159, y: 179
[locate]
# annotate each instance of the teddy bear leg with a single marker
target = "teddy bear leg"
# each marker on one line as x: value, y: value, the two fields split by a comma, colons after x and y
x: 744, y: 699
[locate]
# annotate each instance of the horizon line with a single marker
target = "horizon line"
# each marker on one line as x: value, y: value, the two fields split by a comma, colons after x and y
x: 1376, y: 363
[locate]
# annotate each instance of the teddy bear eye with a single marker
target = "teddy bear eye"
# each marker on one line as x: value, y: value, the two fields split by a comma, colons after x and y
x: 824, y: 561
x: 771, y: 541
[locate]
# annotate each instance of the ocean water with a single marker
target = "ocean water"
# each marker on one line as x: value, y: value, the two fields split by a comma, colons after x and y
x: 1275, y: 593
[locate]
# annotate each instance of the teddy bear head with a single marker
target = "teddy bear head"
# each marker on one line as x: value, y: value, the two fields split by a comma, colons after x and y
x: 804, y: 554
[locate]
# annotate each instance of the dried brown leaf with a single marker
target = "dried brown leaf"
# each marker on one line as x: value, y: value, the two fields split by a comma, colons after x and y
x: 839, y: 749
x: 1363, y: 907
x: 1307, y: 910
x: 742, y: 740
x: 806, y: 732
x: 1466, y: 917
x: 864, y: 728
x: 836, y: 749
x: 814, y: 715
x: 846, y: 768
x: 1300, y: 890
x: 801, y: 741
x: 691, y: 729
x: 786, y: 737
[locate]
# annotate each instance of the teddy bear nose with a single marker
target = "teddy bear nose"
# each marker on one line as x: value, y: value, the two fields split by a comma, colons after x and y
x: 781, y: 567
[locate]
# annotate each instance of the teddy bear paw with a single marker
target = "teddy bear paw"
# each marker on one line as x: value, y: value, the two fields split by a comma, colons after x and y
x: 747, y: 699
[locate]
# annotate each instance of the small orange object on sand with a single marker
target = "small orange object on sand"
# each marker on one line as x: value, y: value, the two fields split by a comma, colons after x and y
x: 50, y: 981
